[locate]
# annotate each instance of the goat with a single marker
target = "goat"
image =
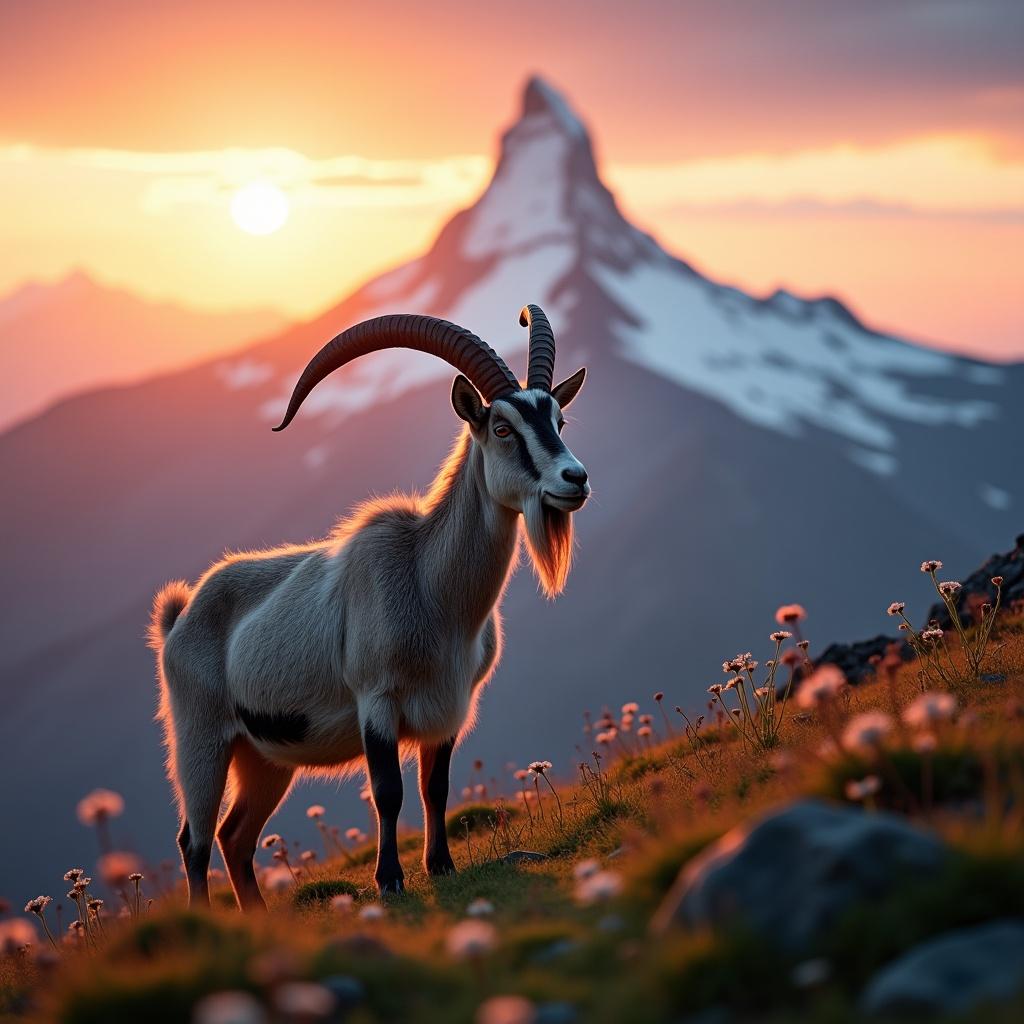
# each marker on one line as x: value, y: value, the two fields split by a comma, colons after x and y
x: 372, y: 644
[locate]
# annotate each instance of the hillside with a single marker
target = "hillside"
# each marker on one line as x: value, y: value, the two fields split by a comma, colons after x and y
x: 743, y: 451
x: 861, y: 861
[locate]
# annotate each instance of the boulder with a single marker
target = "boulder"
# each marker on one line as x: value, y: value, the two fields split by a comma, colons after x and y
x: 792, y: 873
x: 854, y: 660
x: 978, y: 586
x: 954, y: 973
x: 523, y: 857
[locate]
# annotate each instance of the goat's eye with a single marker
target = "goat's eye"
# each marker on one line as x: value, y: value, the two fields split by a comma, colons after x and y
x: 502, y: 430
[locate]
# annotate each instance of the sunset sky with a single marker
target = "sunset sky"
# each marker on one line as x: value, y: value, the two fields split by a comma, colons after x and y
x: 873, y: 150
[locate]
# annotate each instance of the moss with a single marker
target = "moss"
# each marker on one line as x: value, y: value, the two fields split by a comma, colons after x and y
x: 525, y: 943
x: 658, y: 868
x: 176, y: 930
x: 400, y: 988
x: 157, y: 971
x: 323, y: 890
x: 168, y: 1000
x: 223, y: 897
x: 956, y: 775
x: 511, y: 890
x: 635, y: 768
x: 736, y: 970
x: 17, y: 980
x: 744, y: 785
x: 481, y: 819
x: 970, y: 890
x: 589, y: 827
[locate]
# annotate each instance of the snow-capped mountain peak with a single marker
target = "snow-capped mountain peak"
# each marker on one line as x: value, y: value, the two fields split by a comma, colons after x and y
x: 546, y: 190
x: 547, y: 230
x: 543, y: 100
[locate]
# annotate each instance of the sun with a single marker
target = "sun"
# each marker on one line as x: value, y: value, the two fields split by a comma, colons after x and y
x: 259, y: 208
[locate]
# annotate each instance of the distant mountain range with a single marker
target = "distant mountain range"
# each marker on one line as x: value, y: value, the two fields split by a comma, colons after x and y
x: 744, y: 451
x: 75, y: 334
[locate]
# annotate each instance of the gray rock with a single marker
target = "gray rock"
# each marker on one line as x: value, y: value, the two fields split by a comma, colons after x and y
x: 792, y: 873
x: 1008, y: 564
x: 523, y: 857
x: 556, y: 1013
x: 854, y: 660
x: 954, y: 973
x: 348, y: 990
x: 555, y: 951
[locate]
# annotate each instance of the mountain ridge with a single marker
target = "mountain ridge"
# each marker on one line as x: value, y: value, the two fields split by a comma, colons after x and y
x: 72, y: 335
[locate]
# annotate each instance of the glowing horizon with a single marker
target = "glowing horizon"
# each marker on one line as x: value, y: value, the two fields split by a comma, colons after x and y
x: 388, y: 211
x: 872, y: 152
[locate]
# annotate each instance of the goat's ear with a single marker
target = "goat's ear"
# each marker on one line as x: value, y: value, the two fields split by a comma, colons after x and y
x: 565, y: 392
x: 466, y: 401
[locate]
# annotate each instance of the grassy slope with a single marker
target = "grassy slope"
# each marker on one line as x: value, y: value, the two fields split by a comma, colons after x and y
x: 657, y: 810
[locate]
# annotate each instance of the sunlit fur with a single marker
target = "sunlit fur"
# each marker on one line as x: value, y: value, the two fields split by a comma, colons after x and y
x: 549, y: 539
x: 390, y: 623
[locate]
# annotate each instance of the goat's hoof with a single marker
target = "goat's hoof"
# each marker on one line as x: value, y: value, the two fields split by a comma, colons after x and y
x: 394, y: 886
x: 440, y: 865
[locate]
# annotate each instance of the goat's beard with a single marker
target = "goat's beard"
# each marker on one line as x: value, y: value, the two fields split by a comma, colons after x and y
x: 549, y: 539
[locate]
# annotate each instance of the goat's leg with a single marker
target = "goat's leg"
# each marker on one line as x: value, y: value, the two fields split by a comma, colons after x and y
x: 435, y: 763
x: 200, y: 769
x: 258, y: 787
x: 385, y: 772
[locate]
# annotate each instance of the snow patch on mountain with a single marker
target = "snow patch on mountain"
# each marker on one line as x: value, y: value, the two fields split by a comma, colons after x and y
x: 779, y: 364
x: 995, y: 497
x: 520, y: 203
x: 880, y: 463
x: 490, y: 308
x: 243, y: 373
x: 315, y: 458
x: 981, y: 373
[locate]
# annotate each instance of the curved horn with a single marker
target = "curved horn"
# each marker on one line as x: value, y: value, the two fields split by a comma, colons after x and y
x: 541, y: 370
x: 463, y: 349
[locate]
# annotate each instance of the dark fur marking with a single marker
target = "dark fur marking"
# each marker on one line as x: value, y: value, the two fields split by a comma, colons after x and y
x: 525, y: 458
x: 287, y: 727
x: 437, y: 783
x: 435, y: 788
x: 385, y: 772
x: 539, y: 418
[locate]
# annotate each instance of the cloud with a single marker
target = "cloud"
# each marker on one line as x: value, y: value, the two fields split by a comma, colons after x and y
x: 860, y: 210
x: 208, y: 176
x: 946, y: 176
x: 949, y: 174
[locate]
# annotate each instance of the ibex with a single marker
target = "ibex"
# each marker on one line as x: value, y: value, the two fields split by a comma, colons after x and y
x: 373, y: 643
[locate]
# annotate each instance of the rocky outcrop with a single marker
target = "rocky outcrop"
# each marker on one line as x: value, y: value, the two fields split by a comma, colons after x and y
x: 793, y: 873
x: 958, y: 972
x: 977, y: 588
x: 855, y: 659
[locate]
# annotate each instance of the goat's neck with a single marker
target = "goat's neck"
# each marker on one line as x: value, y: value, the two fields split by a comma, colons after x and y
x: 469, y: 539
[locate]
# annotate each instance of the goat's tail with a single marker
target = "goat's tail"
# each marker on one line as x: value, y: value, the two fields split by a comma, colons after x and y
x: 168, y: 604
